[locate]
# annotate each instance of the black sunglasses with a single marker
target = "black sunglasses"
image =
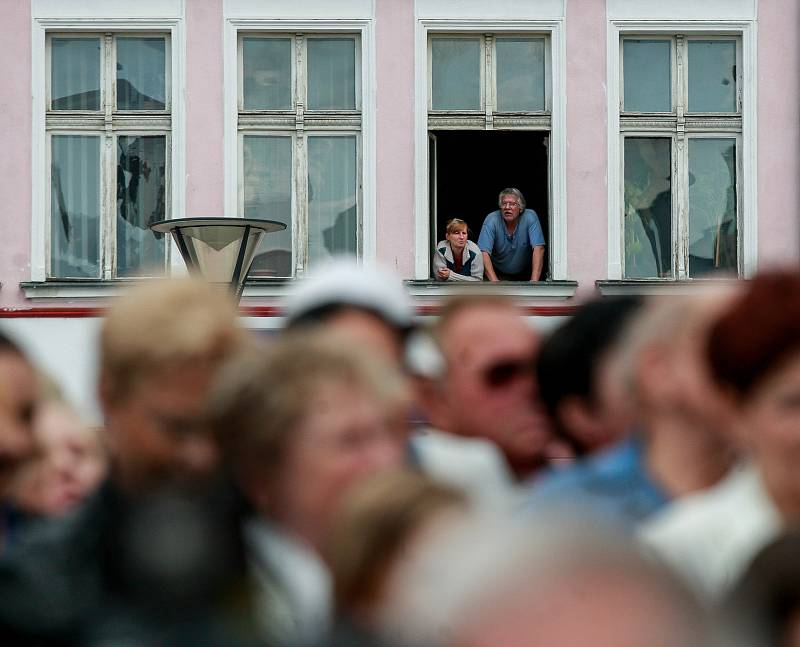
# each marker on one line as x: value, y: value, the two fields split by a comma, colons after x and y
x: 504, y: 372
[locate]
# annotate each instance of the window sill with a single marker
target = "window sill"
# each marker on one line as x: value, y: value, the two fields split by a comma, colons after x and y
x: 96, y: 289
x: 75, y: 288
x: 538, y: 290
x: 271, y: 288
x: 654, y: 287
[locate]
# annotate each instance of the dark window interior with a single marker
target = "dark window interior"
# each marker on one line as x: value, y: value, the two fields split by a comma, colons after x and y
x: 470, y: 168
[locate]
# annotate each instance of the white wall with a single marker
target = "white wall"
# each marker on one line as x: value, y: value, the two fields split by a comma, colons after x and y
x: 67, y: 350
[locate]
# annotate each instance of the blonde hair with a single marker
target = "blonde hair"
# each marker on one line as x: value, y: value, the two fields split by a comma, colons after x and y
x: 456, y: 224
x: 163, y: 324
x: 260, y: 399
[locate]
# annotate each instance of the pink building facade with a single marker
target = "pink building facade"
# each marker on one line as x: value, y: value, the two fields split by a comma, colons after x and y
x: 658, y: 142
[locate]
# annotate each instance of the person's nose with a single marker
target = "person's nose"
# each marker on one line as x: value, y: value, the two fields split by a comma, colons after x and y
x: 198, y: 454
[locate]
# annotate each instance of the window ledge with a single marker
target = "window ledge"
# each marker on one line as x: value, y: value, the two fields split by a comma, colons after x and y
x: 97, y: 289
x: 266, y: 288
x: 538, y: 290
x: 648, y: 287
x: 76, y: 288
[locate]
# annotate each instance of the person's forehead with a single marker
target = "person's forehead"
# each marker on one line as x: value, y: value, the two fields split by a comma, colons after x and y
x: 488, y: 332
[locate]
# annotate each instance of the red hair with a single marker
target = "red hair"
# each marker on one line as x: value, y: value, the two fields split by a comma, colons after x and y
x: 759, y: 332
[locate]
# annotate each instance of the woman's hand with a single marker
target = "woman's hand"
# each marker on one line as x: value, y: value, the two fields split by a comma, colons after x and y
x: 443, y: 273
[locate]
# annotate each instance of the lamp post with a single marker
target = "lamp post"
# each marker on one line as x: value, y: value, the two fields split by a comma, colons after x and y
x: 220, y: 250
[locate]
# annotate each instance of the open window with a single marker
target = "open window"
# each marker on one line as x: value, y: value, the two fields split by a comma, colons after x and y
x: 468, y: 169
x: 489, y: 122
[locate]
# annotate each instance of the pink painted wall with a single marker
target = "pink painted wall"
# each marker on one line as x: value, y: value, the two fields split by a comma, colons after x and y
x: 15, y: 162
x: 394, y: 41
x: 587, y: 156
x: 204, y: 110
x: 778, y: 132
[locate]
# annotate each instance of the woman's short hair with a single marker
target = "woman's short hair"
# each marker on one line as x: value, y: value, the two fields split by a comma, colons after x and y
x: 512, y: 191
x: 456, y: 224
x: 262, y: 396
x: 758, y: 333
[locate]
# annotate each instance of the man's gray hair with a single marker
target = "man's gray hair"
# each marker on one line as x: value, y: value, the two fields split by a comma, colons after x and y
x: 512, y: 191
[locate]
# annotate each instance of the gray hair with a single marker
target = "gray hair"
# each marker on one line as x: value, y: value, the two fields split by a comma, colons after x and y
x: 516, y: 193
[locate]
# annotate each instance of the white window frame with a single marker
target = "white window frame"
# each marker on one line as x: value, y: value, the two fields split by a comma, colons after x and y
x: 555, y: 98
x: 169, y: 24
x: 234, y: 30
x: 746, y: 180
x: 117, y: 124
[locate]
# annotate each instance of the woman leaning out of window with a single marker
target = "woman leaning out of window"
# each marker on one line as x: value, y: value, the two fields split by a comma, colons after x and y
x: 457, y: 258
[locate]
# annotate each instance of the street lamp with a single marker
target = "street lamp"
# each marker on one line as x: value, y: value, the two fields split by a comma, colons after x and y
x: 220, y: 250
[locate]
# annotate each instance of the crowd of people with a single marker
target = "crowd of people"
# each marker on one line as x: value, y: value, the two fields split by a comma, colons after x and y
x: 363, y: 478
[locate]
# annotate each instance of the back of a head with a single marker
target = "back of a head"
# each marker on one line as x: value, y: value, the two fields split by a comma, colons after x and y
x: 163, y: 324
x: 495, y: 581
x: 656, y: 325
x: 568, y: 360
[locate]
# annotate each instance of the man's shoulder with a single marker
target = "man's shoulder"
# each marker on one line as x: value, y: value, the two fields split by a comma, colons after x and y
x: 530, y: 214
x: 491, y: 218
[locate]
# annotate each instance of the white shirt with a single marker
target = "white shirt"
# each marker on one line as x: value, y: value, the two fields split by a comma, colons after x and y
x: 294, y: 589
x: 711, y: 537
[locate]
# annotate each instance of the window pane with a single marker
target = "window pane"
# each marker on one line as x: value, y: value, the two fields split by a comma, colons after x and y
x: 456, y: 73
x: 75, y: 74
x: 520, y: 74
x: 332, y: 188
x: 712, y: 76
x: 331, y: 73
x: 266, y: 73
x: 141, y: 70
x: 141, y: 201
x: 712, y: 206
x: 75, y: 206
x: 647, y: 82
x: 648, y: 208
x: 268, y: 195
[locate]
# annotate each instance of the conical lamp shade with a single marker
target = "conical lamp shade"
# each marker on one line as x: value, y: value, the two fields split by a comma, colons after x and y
x: 220, y: 250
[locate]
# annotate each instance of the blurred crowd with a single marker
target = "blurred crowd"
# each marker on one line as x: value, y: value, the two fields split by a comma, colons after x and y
x: 362, y: 477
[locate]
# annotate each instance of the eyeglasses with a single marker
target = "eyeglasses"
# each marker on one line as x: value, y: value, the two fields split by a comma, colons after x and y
x: 509, y: 204
x: 504, y: 372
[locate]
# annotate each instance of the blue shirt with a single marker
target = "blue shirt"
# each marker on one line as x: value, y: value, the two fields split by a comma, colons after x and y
x: 613, y: 486
x: 511, y: 253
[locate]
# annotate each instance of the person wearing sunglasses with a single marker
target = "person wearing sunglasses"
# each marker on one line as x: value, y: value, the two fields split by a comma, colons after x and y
x: 487, y: 386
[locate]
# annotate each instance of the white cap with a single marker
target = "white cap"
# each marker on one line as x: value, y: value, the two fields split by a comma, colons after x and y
x: 345, y: 282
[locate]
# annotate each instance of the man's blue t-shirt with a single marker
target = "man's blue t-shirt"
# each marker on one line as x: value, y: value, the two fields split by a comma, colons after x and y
x: 613, y: 486
x: 511, y: 254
